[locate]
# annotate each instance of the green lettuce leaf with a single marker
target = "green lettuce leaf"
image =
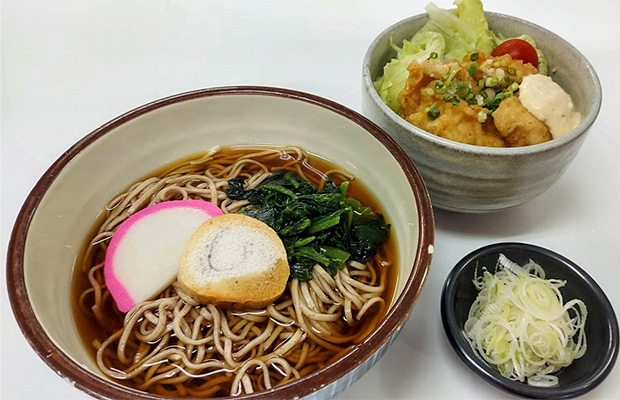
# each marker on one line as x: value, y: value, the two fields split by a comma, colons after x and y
x: 449, y: 33
x: 459, y: 36
x: 472, y: 13
x: 395, y: 73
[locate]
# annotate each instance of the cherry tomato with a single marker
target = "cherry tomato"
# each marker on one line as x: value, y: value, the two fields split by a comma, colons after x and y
x: 519, y: 50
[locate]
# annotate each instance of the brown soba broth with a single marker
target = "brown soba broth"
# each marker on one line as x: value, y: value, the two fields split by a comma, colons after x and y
x: 172, y: 346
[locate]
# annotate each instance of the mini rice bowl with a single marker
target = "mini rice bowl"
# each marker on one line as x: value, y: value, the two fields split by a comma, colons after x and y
x: 467, y: 178
x: 59, y: 212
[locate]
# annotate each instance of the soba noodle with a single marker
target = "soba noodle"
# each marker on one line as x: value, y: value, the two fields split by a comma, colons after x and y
x: 173, y: 346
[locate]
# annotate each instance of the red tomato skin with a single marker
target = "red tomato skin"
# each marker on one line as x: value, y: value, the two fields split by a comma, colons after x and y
x: 519, y: 50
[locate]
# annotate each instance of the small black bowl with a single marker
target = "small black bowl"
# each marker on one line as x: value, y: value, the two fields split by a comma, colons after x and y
x: 583, y: 374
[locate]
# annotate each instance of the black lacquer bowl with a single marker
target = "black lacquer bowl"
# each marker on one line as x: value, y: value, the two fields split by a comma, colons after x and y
x: 583, y: 374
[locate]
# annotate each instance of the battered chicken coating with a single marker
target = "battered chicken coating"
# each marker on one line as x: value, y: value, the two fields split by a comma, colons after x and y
x: 459, y: 123
x: 456, y: 118
x: 455, y: 122
x: 518, y: 126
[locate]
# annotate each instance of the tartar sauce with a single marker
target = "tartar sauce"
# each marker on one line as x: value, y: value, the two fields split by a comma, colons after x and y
x: 548, y: 102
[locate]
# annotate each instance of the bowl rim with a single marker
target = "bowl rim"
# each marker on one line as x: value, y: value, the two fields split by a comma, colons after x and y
x: 99, y: 387
x: 573, y: 135
x: 489, y: 375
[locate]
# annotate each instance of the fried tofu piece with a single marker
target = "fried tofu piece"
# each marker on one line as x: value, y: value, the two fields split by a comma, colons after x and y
x: 518, y: 126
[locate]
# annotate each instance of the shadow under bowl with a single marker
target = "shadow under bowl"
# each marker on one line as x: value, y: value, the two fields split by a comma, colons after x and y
x: 601, y: 329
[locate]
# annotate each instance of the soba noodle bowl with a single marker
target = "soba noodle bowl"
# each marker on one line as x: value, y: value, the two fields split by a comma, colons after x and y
x: 172, y: 346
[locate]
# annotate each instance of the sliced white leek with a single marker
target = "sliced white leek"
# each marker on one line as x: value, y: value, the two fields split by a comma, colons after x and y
x: 520, y: 325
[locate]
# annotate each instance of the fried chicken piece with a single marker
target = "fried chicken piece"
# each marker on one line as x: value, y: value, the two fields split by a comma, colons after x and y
x: 455, y: 122
x: 459, y: 123
x: 411, y: 96
x: 517, y: 125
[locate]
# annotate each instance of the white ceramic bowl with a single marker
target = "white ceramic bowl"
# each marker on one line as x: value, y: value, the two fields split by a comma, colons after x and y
x: 60, y: 211
x: 468, y: 178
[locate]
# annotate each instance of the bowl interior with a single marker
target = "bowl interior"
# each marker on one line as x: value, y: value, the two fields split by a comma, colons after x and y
x: 601, y: 324
x: 150, y: 137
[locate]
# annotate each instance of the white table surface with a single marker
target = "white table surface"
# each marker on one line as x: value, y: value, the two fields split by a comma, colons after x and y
x: 68, y: 66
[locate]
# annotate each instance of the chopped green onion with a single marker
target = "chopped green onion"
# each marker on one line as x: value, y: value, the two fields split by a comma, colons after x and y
x: 432, y: 113
x: 428, y: 91
x: 474, y: 56
x: 511, y: 71
x: 440, y: 87
x: 473, y: 67
x: 506, y: 80
x: 450, y: 98
x: 513, y: 87
x: 492, y: 81
x: 453, y: 72
x: 488, y: 93
x: 433, y: 55
x: 502, y: 95
x: 462, y: 91
x: 482, y: 116
x: 493, y: 103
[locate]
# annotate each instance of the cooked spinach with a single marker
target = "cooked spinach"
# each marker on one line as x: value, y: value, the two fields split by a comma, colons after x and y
x: 316, y: 225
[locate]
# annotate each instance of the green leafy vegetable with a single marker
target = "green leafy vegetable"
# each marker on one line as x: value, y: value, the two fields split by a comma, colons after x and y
x: 422, y: 45
x: 316, y: 226
x: 460, y: 37
x: 448, y: 34
x: 472, y: 13
x: 464, y: 29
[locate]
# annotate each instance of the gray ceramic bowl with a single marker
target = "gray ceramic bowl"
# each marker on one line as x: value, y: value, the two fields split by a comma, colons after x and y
x: 468, y: 178
x: 61, y: 209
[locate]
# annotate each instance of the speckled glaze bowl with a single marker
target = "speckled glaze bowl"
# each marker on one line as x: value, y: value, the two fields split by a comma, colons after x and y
x: 61, y: 209
x: 475, y: 179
